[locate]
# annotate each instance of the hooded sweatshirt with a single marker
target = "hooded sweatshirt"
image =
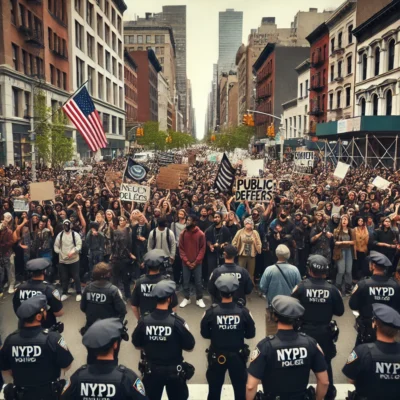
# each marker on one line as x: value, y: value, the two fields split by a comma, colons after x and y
x: 192, y: 246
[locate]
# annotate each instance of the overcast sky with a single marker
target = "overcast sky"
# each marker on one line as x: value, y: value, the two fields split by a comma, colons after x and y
x: 202, y: 32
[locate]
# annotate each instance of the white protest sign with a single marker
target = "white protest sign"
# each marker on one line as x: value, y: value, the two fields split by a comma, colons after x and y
x: 381, y: 183
x: 137, y: 193
x: 254, y: 189
x: 21, y: 205
x: 341, y: 170
x: 253, y: 166
x: 304, y: 162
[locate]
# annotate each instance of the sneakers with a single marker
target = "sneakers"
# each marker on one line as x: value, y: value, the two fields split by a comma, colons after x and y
x: 11, y: 289
x: 78, y: 297
x: 184, y: 303
x: 200, y: 303
x: 64, y: 297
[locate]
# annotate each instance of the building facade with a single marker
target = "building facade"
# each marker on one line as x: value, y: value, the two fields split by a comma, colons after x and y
x: 131, y: 91
x: 342, y: 61
x: 164, y: 101
x: 97, y: 57
x: 228, y: 100
x: 241, y: 63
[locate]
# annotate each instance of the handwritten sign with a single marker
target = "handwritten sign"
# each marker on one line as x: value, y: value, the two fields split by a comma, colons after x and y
x: 21, y: 205
x: 42, y: 191
x: 254, y: 189
x: 136, y: 193
x: 304, y: 162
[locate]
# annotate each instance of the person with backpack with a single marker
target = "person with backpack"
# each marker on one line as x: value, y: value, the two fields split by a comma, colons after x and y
x: 68, y: 245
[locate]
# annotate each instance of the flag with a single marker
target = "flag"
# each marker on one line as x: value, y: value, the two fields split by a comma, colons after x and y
x: 165, y: 158
x: 225, y: 176
x: 81, y: 111
x: 135, y: 171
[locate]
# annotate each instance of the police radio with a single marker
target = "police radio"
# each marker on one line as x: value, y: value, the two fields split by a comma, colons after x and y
x: 57, y: 327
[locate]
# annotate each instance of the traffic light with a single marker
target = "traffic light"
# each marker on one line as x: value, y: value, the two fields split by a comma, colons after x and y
x: 140, y: 132
x: 250, y: 120
x: 213, y: 138
x: 246, y: 119
x: 168, y: 139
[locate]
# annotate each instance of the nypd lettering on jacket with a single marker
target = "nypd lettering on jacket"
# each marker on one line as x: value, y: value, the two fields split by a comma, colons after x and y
x: 96, y: 297
x: 228, y: 322
x: 27, y: 294
x: 292, y: 357
x: 317, y: 295
x: 237, y: 274
x: 146, y: 288
x: 381, y: 293
x: 98, y: 391
x: 158, y: 333
x: 387, y: 370
x: 25, y: 354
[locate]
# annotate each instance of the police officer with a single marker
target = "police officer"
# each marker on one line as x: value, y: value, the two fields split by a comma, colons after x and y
x: 374, y: 367
x: 229, y: 267
x: 104, y: 379
x: 142, y: 301
x: 321, y: 300
x: 34, y: 356
x: 378, y: 288
x: 37, y: 285
x: 163, y: 335
x: 101, y: 299
x: 227, y: 325
x: 282, y: 362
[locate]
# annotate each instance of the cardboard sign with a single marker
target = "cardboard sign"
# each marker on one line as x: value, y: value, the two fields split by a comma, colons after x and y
x: 253, y: 167
x: 341, y: 170
x: 21, y: 205
x: 304, y: 162
x: 113, y: 177
x: 254, y: 189
x: 136, y: 193
x: 42, y: 191
x: 381, y: 183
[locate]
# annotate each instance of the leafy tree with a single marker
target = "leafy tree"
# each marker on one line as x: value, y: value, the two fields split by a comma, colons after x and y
x: 237, y: 137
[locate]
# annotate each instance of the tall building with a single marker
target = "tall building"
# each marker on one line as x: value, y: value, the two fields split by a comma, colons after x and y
x: 97, y: 56
x: 230, y: 38
x: 131, y: 91
x: 164, y: 103
x: 228, y: 100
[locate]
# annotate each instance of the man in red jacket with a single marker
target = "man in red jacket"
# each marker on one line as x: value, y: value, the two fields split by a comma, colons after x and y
x: 192, y: 247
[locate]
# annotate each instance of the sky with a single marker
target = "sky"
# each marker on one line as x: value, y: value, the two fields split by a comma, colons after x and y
x: 202, y: 33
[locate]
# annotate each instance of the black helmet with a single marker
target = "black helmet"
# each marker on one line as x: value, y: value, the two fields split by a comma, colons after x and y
x: 318, y: 264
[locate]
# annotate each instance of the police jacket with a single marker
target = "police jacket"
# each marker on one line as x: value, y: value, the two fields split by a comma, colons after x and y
x: 374, y: 289
x: 141, y: 293
x: 101, y: 300
x: 286, y: 357
x: 375, y: 369
x: 34, y: 287
x: 35, y: 356
x: 163, y: 335
x: 227, y: 325
x: 245, y: 283
x: 320, y: 299
x: 104, y: 380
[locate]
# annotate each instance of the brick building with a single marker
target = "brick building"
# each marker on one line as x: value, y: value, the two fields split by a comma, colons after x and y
x: 131, y: 90
x: 319, y: 59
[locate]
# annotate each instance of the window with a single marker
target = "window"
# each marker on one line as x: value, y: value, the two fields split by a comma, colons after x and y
x: 114, y: 42
x: 114, y: 66
x: 120, y: 126
x: 375, y: 103
x: 108, y: 90
x: 364, y: 66
x: 108, y: 61
x: 113, y: 16
x: 78, y: 35
x: 323, y: 102
x: 338, y: 99
x: 107, y: 8
x: 52, y: 74
x: 340, y: 36
x: 121, y: 97
x: 79, y: 72
x: 100, y: 55
x: 331, y: 101
x: 389, y: 97
x: 31, y: 64
x: 148, y: 38
x: 119, y: 24
x: 306, y: 88
x: 50, y: 38
x: 377, y: 60
x: 89, y: 13
x: 350, y: 34
x: 25, y: 64
x: 27, y: 105
x: 99, y: 24
x: 107, y: 34
x: 39, y: 67
x: 90, y: 46
x: 22, y: 15
x: 78, y: 6
x: 100, y: 86
x: 15, y: 101
x: 90, y: 77
x: 140, y: 39
x: 114, y: 125
x: 15, y: 50
x: 115, y: 94
x: 332, y: 73
x: 301, y: 91
x: 120, y: 76
x: 106, y: 122
x: 348, y: 96
x: 391, y: 55
x: 120, y: 49
x: 160, y: 39
x: 131, y: 39
x: 12, y: 9
x: 58, y: 78
x: 332, y: 45
x: 349, y: 64
x: 140, y: 48
x: 339, y: 72
x: 64, y: 74
x: 363, y: 106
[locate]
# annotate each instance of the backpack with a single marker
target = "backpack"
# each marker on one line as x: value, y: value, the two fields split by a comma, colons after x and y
x: 155, y: 239
x: 73, y: 238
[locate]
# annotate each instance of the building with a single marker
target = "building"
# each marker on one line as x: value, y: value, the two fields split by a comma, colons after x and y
x: 97, y: 56
x: 319, y: 59
x: 295, y: 111
x: 131, y: 91
x: 164, y: 103
x: 276, y: 79
x: 228, y: 85
x: 241, y: 63
x: 233, y: 104
x: 230, y: 39
x: 342, y: 61
x: 35, y: 57
x: 148, y: 69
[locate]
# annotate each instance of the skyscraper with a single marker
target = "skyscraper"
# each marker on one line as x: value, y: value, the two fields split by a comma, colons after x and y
x: 230, y: 38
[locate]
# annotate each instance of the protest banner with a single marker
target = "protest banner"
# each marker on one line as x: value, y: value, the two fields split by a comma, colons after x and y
x: 304, y: 162
x: 254, y: 189
x: 381, y: 183
x: 136, y: 193
x: 42, y: 191
x: 168, y: 178
x: 253, y: 167
x: 341, y: 170
x: 21, y: 205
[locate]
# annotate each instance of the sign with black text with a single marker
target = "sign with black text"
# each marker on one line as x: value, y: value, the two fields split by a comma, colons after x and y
x: 136, y: 193
x: 21, y: 205
x: 254, y: 189
x: 304, y: 162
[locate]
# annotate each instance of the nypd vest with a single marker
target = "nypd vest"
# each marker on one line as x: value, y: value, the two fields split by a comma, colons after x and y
x: 234, y: 271
x: 145, y: 285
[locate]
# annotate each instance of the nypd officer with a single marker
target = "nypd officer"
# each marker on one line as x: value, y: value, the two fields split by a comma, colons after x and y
x: 34, y: 357
x: 321, y: 300
x: 374, y: 367
x: 282, y: 362
x: 104, y: 379
x: 142, y: 301
x: 37, y: 285
x: 163, y: 335
x: 101, y: 299
x: 229, y: 267
x: 227, y: 325
x: 378, y: 288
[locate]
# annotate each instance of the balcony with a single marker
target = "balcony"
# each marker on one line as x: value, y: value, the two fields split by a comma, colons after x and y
x: 317, y: 86
x: 59, y: 54
x: 339, y: 79
x: 35, y: 38
x: 338, y: 50
x: 316, y: 111
x: 34, y: 1
x: 25, y: 30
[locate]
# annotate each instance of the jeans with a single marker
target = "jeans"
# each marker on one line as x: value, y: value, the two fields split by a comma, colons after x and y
x: 344, y: 267
x: 65, y: 271
x: 94, y: 258
x: 122, y: 270
x: 197, y: 281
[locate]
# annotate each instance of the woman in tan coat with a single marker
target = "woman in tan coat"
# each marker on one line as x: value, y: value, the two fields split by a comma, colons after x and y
x: 248, y: 243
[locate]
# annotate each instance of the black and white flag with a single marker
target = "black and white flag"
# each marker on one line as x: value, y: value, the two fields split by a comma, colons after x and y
x: 135, y: 171
x: 165, y: 158
x: 225, y: 176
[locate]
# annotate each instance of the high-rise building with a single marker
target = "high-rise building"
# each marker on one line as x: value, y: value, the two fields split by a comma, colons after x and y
x: 230, y: 38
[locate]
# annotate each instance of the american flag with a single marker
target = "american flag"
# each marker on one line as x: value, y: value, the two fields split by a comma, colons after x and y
x: 81, y: 111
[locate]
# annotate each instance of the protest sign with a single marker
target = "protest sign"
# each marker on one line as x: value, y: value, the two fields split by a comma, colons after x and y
x: 42, y: 191
x: 254, y: 189
x: 381, y: 183
x: 137, y: 193
x: 21, y: 205
x: 113, y: 177
x: 169, y: 177
x: 341, y: 170
x: 304, y: 162
x: 253, y: 167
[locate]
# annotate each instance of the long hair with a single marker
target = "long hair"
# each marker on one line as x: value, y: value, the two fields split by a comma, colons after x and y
x: 339, y: 230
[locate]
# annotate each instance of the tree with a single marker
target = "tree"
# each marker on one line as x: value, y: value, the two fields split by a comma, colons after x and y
x: 237, y: 137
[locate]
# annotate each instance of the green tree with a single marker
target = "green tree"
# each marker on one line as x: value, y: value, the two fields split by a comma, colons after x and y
x: 180, y: 140
x: 232, y: 138
x: 153, y: 138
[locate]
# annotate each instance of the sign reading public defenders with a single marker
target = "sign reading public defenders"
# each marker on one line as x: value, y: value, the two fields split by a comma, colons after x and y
x: 254, y: 189
x: 137, y: 193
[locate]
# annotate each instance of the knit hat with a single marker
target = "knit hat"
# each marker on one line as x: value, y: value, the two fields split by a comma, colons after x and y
x: 248, y: 221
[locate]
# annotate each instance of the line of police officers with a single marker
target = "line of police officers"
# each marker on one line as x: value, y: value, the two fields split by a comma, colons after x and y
x: 35, y: 357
